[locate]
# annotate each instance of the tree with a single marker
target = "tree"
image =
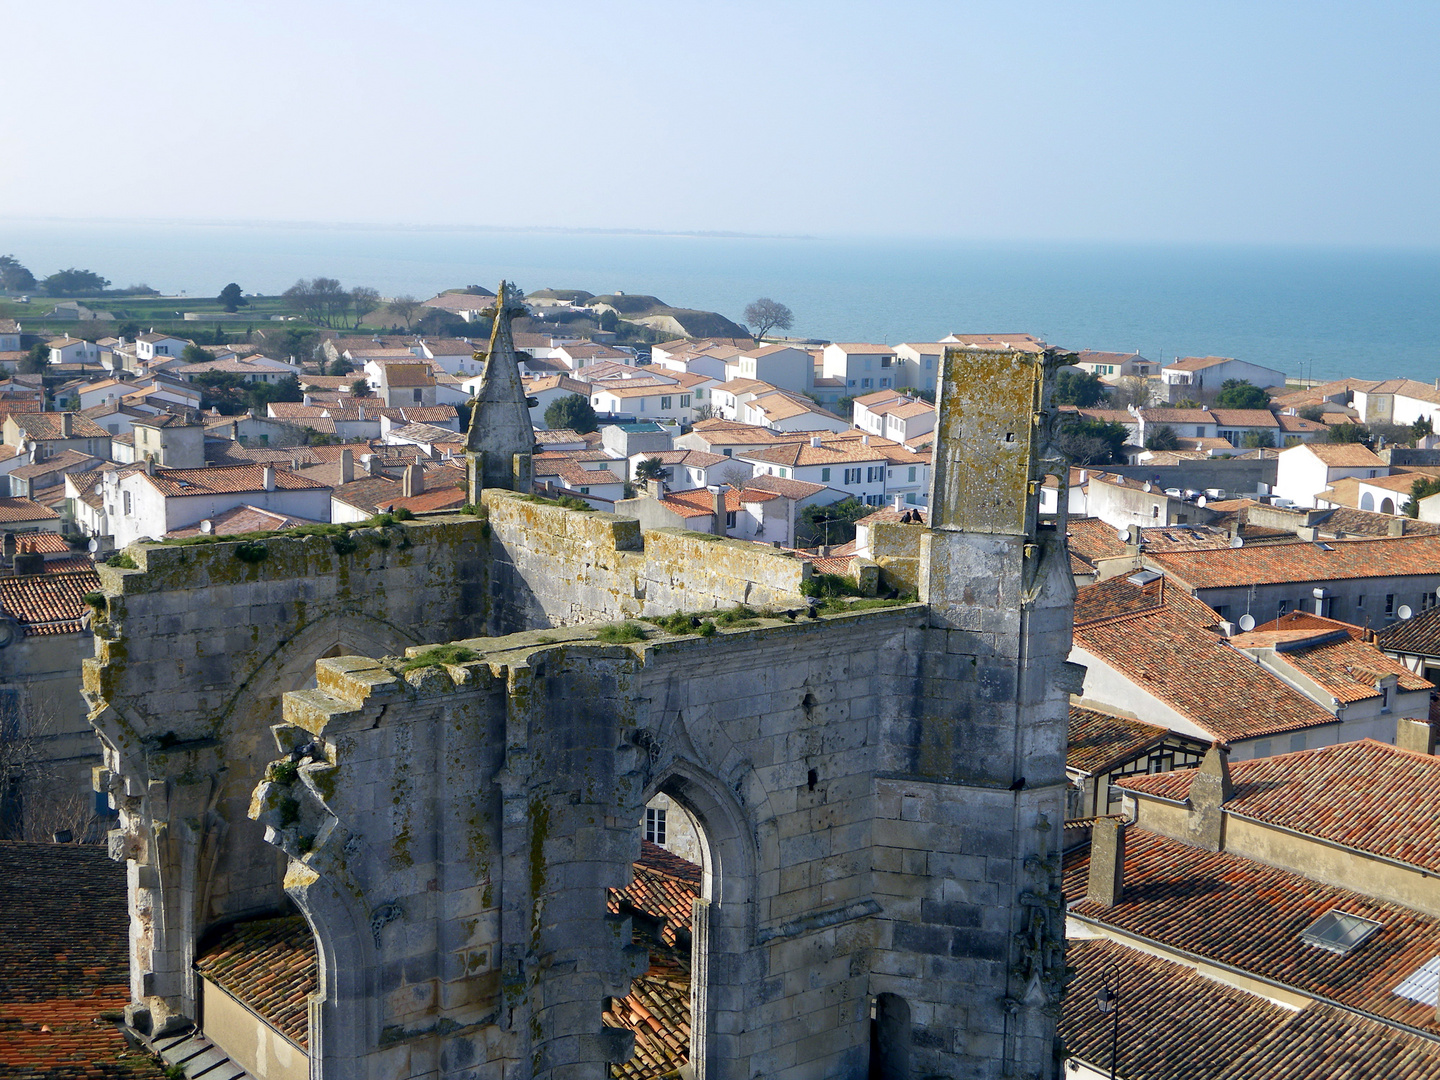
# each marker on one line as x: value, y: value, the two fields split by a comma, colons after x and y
x: 321, y: 300
x: 14, y: 277
x: 194, y: 354
x: 1259, y: 440
x: 1092, y: 442
x: 74, y: 282
x: 766, y: 315
x: 363, y: 300
x: 571, y: 411
x: 230, y: 394
x: 833, y: 524
x: 406, y: 308
x: 1241, y: 394
x: 1423, y: 487
x: 1162, y: 437
x: 1081, y: 388
x: 360, y: 388
x: 37, y: 359
x: 1131, y: 390
x: 651, y: 469
x: 339, y: 366
x: 1348, y: 433
x: 231, y: 297
x: 1312, y: 413
x: 1422, y: 427
x: 608, y: 321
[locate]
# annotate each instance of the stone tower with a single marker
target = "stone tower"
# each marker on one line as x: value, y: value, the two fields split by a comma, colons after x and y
x: 879, y: 789
x: 501, y: 438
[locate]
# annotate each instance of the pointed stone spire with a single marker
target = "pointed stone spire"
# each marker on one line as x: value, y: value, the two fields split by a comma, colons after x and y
x: 501, y: 439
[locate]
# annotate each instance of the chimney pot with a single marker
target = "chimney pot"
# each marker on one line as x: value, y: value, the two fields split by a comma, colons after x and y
x: 269, y: 475
x: 67, y: 425
x: 815, y: 441
x: 347, y: 466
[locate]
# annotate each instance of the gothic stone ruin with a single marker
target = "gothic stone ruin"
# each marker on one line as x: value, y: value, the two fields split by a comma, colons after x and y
x: 880, y: 791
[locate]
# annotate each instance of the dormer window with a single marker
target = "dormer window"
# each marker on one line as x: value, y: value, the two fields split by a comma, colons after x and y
x: 1338, y: 932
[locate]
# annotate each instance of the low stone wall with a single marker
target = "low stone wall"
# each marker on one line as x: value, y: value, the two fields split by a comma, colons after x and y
x: 559, y: 567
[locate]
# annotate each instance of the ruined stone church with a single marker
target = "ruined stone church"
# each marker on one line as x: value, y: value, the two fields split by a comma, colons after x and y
x: 417, y: 745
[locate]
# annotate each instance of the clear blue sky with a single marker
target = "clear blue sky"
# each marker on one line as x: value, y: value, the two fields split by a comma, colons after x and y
x: 1295, y: 123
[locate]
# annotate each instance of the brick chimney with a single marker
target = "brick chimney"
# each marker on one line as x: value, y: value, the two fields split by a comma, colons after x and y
x: 655, y: 488
x: 413, y: 482
x: 1107, y: 862
x: 717, y: 496
x: 1210, y: 788
x: 29, y: 562
x: 67, y: 425
x: 347, y: 466
x: 269, y: 475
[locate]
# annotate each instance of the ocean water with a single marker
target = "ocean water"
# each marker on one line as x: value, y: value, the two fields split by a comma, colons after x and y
x: 1321, y: 313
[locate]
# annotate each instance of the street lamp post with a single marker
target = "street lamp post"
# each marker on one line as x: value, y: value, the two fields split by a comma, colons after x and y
x: 1108, y: 1001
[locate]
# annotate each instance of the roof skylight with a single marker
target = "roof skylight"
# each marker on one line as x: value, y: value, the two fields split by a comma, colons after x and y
x: 1338, y: 932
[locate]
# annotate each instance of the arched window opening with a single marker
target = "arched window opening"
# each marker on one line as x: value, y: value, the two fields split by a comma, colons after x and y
x: 666, y: 904
x: 889, y: 1038
x: 1387, y: 506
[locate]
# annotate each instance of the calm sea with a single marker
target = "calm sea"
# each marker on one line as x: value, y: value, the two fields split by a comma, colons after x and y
x: 1314, y: 312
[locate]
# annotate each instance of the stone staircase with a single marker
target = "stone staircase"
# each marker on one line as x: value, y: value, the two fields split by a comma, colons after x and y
x: 198, y: 1056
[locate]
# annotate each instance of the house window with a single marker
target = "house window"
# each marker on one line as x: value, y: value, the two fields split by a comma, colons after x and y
x: 885, y: 361
x: 866, y: 383
x: 417, y: 396
x: 127, y: 504
x: 874, y: 473
x: 664, y: 403
x: 874, y: 500
x: 884, y: 382
x: 725, y: 452
x: 1385, y: 699
x: 824, y: 476
x: 684, y: 401
x: 783, y: 474
x: 655, y: 825
x: 852, y: 476
x: 1390, y: 603
x: 928, y: 363
x: 730, y: 518
x: 1199, y: 431
x: 1360, y: 601
x: 1338, y: 932
x: 584, y: 491
x: 912, y: 474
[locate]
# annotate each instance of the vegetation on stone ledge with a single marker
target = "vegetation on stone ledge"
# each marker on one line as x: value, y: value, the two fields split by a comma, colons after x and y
x: 620, y: 634
x: 440, y: 654
x: 123, y: 560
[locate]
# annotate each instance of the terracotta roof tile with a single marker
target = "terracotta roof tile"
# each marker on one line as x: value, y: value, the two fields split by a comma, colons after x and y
x: 1100, y: 739
x: 270, y: 966
x: 1327, y: 1042
x: 47, y: 604
x: 1385, y: 557
x: 1366, y: 795
x: 1181, y: 1025
x: 1233, y: 910
x: 24, y: 510
x: 226, y: 479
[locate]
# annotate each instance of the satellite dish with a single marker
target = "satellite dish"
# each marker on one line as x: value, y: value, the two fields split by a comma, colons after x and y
x: 1124, y: 536
x: 1200, y: 501
x: 1149, y: 486
x: 1237, y: 542
x: 1247, y: 622
x: 93, y: 546
x: 1404, y: 611
x: 207, y: 526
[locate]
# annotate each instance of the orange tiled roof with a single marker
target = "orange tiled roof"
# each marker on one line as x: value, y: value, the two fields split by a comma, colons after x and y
x: 24, y: 510
x: 64, y: 949
x: 1277, y: 565
x: 47, y: 604
x: 1232, y: 910
x: 1100, y: 739
x: 1365, y: 795
x: 226, y: 479
x: 270, y: 966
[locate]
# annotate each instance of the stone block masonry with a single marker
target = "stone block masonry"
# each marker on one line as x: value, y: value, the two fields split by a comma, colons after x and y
x: 879, y: 792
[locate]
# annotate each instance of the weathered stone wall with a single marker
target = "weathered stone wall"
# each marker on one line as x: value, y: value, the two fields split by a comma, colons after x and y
x: 192, y: 657
x: 556, y: 567
x: 881, y: 791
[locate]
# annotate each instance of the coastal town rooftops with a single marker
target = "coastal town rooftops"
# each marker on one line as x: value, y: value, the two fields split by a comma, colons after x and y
x: 1365, y: 795
x: 1234, y: 911
x: 243, y: 519
x: 13, y: 509
x: 864, y: 348
x: 49, y: 426
x: 1245, y: 418
x: 51, y: 603
x: 1178, y: 416
x: 788, y: 489
x: 782, y: 406
x: 269, y: 966
x: 1349, y: 669
x: 798, y: 454
x: 1395, y: 556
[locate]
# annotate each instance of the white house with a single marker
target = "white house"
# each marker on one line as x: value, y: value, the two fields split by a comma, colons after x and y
x: 155, y: 501
x: 1304, y: 471
x: 1191, y: 373
x: 727, y: 398
x: 250, y: 369
x: 587, y: 353
x: 862, y: 365
x: 647, y: 400
x: 856, y: 469
x: 71, y: 350
x: 920, y: 363
x: 154, y: 346
x: 783, y: 366
x: 782, y: 411
x: 456, y: 356
x: 9, y: 335
x: 692, y: 468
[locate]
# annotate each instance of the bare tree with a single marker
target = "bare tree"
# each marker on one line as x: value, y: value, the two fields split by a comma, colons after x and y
x: 37, y: 799
x: 766, y: 315
x: 363, y: 300
x: 406, y: 307
x: 1131, y: 390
